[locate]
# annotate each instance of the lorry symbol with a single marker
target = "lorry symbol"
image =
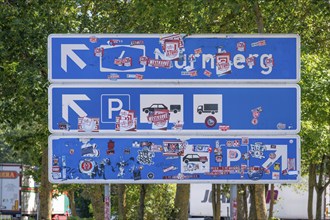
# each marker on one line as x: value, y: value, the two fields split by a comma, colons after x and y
x: 153, y: 107
x: 207, y: 108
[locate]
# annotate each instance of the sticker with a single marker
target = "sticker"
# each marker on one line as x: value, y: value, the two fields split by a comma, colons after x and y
x: 291, y: 163
x: 275, y: 175
x: 241, y: 46
x: 144, y: 60
x: 99, y: 51
x: 151, y: 175
x: 232, y: 154
x: 207, y: 73
x: 86, y: 124
x: 126, y: 121
x: 259, y: 43
x: 246, y: 156
x: 210, y: 121
x: 145, y: 157
x: 255, y: 173
x: 191, y: 167
x: 159, y: 119
x: 87, y: 166
x: 245, y: 140
x: 272, y: 155
x: 167, y: 169
x: 71, y: 151
x: 89, y: 150
x: 113, y: 76
x: 257, y: 150
x: 250, y: 61
x: 224, y: 127
x: 64, y: 126
x: 254, y: 121
x: 281, y: 126
x: 193, y: 73
x: 236, y: 143
x: 201, y: 148
x: 176, y: 37
x: 277, y: 166
x: 114, y: 42
x: 93, y: 39
x: 139, y: 76
x: 127, y: 151
x: 223, y: 65
x: 137, y: 42
x: 159, y: 63
x: 173, y: 148
x: 218, y: 158
x: 178, y: 125
x: 111, y: 147
x: 197, y: 52
x: 171, y: 49
x: 269, y: 62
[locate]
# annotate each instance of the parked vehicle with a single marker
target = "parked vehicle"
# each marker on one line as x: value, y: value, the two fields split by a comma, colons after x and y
x: 19, y: 196
x: 207, y: 108
x: 291, y: 202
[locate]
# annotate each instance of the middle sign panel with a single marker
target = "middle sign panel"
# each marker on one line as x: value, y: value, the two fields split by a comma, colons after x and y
x: 184, y: 110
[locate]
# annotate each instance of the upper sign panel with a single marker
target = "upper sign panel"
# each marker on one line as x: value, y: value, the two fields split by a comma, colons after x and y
x: 173, y: 58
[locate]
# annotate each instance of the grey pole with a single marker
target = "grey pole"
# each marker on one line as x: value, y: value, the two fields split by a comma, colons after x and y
x: 233, y: 202
x: 107, y: 201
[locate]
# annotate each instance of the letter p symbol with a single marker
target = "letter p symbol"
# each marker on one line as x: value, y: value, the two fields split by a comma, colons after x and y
x: 113, y: 106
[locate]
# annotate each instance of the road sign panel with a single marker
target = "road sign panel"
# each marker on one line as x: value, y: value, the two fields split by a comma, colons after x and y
x: 166, y: 159
x: 230, y: 109
x: 172, y: 58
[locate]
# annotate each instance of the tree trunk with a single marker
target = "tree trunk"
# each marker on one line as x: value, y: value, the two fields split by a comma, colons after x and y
x: 319, y: 206
x: 271, y: 204
x: 216, y: 201
x: 242, y: 213
x: 45, y: 189
x: 311, y: 185
x: 181, y: 202
x: 95, y: 193
x: 143, y: 191
x: 259, y: 19
x: 260, y: 201
x: 72, y: 203
x: 122, y: 202
x: 253, y: 214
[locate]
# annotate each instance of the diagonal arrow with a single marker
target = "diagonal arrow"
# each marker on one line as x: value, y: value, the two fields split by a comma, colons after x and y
x: 67, y: 51
x: 69, y: 101
x: 280, y: 151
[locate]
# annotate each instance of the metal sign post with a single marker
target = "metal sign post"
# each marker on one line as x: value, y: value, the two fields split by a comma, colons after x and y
x: 107, y: 201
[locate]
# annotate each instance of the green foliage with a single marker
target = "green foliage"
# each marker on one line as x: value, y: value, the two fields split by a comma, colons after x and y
x: 25, y: 26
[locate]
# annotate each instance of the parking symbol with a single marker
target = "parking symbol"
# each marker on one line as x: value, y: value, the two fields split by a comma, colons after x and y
x: 111, y: 104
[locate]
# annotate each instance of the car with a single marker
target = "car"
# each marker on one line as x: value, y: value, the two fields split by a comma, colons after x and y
x: 154, y: 107
x: 194, y: 158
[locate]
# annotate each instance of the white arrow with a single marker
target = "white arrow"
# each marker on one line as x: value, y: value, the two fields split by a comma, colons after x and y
x: 67, y: 51
x: 280, y: 151
x: 69, y: 101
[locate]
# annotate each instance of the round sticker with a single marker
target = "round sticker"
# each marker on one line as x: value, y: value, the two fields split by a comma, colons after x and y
x: 210, y: 121
x: 254, y: 121
x: 151, y: 175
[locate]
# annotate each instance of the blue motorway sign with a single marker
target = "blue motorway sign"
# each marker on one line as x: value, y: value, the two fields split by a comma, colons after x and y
x: 172, y: 58
x: 113, y: 159
x: 171, y: 109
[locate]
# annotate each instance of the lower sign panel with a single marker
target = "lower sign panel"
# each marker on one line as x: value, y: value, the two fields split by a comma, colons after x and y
x: 102, y: 159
